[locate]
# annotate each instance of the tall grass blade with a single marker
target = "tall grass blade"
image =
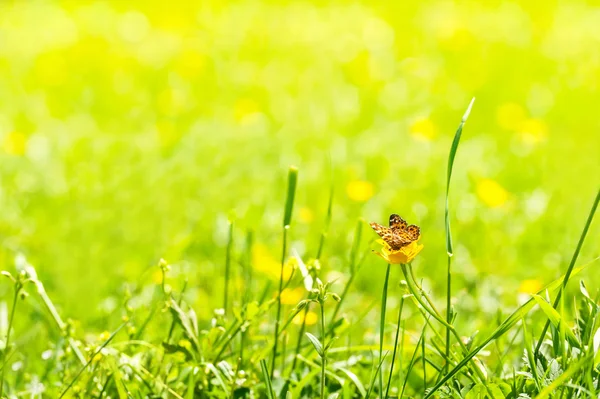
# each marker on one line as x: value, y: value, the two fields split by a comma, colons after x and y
x: 268, y: 384
x: 449, y: 249
x: 506, y: 325
x: 570, y: 268
x: 291, y: 193
x: 287, y: 219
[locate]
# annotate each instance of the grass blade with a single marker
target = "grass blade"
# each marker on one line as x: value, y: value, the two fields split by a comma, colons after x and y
x: 92, y: 359
x: 449, y: 249
x: 506, y: 325
x: 269, y: 385
x: 570, y: 268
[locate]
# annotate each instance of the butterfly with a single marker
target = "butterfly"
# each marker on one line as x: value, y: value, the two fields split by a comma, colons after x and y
x: 399, y: 233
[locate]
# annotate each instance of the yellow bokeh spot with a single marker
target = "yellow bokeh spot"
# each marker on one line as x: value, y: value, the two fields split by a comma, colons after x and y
x: 360, y: 190
x: 530, y: 286
x: 306, y: 215
x: 264, y: 262
x: 291, y: 296
x: 103, y: 336
x: 423, y: 129
x: 533, y: 131
x: 15, y: 143
x: 190, y: 63
x: 311, y: 318
x: 510, y: 116
x: 157, y: 276
x: 491, y: 193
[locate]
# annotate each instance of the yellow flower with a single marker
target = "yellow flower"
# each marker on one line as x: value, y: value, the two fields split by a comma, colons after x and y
x: 359, y: 190
x: 491, y: 193
x: 311, y: 318
x: 291, y: 296
x: 530, y: 286
x: 403, y: 255
x: 423, y: 129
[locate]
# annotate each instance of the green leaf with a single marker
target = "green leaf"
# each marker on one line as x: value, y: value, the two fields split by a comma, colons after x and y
x: 556, y: 319
x: 355, y: 380
x: 316, y: 343
x: 265, y: 372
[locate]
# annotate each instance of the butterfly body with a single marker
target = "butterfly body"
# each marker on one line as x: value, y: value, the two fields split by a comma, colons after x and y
x: 399, y: 234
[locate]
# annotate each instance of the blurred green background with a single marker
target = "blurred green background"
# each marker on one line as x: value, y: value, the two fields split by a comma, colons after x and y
x: 131, y: 131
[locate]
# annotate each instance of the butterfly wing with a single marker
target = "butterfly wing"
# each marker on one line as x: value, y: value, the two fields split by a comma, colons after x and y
x: 397, y: 223
x: 399, y: 233
x: 413, y: 232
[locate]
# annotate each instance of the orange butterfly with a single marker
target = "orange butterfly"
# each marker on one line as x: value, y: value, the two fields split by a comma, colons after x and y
x: 399, y: 234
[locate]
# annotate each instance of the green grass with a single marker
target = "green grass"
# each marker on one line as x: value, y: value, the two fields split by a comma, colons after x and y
x: 131, y: 133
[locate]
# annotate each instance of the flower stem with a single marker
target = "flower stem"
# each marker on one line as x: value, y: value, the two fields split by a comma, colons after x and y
x: 7, y: 345
x: 382, y: 325
x: 387, y: 390
x: 418, y: 293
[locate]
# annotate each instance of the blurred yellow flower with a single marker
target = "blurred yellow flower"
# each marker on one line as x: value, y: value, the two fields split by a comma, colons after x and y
x: 533, y: 131
x: 103, y: 336
x: 311, y: 318
x: 157, y: 276
x: 530, y: 286
x: 263, y: 261
x: 423, y: 129
x: 491, y: 193
x: 403, y: 255
x: 510, y: 116
x: 15, y: 143
x: 305, y: 215
x: 291, y: 296
x: 360, y: 190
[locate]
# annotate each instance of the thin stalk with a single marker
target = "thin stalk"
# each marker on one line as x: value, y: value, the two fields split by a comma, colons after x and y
x: 389, y: 383
x: 7, y: 346
x: 570, y: 269
x: 318, y: 257
x: 353, y: 266
x: 324, y: 358
x: 57, y: 319
x: 382, y: 324
x: 287, y: 219
x: 415, y: 289
x: 449, y: 249
x: 277, y: 320
x: 247, y: 272
x: 424, y: 359
x: 227, y: 267
x: 299, y: 342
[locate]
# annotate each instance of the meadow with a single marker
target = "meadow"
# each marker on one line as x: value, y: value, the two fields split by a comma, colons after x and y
x: 186, y: 194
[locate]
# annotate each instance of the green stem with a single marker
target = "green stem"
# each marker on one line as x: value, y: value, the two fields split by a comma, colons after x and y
x: 570, y: 269
x: 418, y: 293
x: 387, y: 390
x: 324, y: 358
x: 227, y: 267
x: 448, y: 309
x: 276, y: 335
x: 59, y: 322
x: 7, y: 345
x: 382, y: 325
